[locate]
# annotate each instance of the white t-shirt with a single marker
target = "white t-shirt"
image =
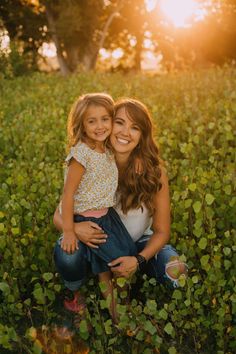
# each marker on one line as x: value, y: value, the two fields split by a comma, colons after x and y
x: 137, y: 221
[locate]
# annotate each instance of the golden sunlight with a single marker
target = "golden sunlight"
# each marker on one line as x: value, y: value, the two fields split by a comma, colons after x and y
x: 179, y: 11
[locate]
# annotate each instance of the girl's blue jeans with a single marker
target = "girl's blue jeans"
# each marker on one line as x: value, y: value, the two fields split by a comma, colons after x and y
x: 74, y: 268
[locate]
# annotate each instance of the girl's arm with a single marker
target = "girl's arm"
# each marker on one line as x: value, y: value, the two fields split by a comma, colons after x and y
x: 75, y: 172
x: 88, y: 232
x: 161, y: 232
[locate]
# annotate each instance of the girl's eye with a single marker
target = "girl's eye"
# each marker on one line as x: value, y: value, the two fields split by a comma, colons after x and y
x: 135, y: 127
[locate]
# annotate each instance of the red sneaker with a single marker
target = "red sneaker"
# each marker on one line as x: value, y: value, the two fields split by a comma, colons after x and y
x: 75, y: 305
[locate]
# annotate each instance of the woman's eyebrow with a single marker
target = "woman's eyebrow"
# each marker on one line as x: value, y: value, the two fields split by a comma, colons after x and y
x: 117, y: 117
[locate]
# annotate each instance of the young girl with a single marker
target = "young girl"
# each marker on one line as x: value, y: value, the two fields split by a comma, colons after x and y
x: 91, y: 180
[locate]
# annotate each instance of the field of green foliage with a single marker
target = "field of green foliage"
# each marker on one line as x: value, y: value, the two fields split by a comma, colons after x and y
x: 195, y: 116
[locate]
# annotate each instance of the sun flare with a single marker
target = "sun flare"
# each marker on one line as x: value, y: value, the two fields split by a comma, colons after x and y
x: 179, y: 11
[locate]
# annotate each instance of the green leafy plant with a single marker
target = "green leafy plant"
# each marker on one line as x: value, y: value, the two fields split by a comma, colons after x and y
x: 194, y: 113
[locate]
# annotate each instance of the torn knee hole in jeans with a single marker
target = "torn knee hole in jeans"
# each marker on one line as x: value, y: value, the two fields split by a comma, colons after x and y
x: 175, y: 268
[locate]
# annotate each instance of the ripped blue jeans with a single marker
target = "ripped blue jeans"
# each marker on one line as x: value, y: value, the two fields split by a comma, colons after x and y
x: 156, y: 266
x: 74, y: 268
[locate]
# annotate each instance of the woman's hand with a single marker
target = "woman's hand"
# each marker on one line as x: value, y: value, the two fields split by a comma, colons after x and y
x: 90, y: 233
x: 124, y: 266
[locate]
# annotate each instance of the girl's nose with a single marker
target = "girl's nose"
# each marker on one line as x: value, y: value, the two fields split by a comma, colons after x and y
x: 99, y: 124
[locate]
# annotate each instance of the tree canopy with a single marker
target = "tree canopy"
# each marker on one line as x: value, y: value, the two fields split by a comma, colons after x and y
x: 80, y: 28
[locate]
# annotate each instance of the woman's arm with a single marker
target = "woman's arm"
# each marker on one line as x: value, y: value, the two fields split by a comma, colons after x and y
x: 87, y: 232
x: 161, y: 220
x: 161, y: 232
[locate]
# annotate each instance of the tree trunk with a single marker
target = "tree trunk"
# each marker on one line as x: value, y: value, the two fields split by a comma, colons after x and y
x: 51, y: 24
x: 72, y: 53
x: 90, y: 57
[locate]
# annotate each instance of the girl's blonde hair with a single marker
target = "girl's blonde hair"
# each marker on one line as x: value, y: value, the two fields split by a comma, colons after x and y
x: 134, y: 190
x: 75, y: 126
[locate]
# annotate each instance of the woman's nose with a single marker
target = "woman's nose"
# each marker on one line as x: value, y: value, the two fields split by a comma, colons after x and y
x: 125, y: 130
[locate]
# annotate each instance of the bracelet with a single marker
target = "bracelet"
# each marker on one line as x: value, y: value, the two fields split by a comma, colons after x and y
x: 141, y: 261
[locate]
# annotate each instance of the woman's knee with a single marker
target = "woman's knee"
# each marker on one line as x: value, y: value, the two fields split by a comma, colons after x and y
x: 175, y: 268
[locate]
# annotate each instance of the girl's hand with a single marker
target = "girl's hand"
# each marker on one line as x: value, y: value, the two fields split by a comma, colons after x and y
x: 90, y: 233
x: 124, y: 266
x: 69, y: 242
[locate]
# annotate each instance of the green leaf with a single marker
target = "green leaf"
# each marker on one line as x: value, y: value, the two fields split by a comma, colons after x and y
x: 204, y: 260
x: 121, y: 282
x: 37, y: 347
x: 57, y: 287
x: 202, y: 243
x: 4, y: 287
x: 108, y: 327
x: 195, y: 279
x: 98, y: 329
x: 192, y: 187
x: 15, y: 230
x: 172, y: 350
x: 227, y: 190
x: 152, y: 305
x: 197, y: 206
x: 103, y: 304
x: 163, y: 314
x: 148, y: 326
x: 177, y: 295
x: 169, y: 328
x: 103, y: 286
x: 83, y: 326
x: 152, y: 281
x: 209, y: 199
x: 47, y: 276
x: 39, y: 295
x: 140, y: 335
x: 227, y: 251
x: 227, y: 264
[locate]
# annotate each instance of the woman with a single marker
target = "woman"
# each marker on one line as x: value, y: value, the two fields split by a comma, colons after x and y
x: 143, y: 205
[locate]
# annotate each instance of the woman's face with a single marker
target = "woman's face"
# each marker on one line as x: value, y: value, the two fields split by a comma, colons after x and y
x: 125, y: 134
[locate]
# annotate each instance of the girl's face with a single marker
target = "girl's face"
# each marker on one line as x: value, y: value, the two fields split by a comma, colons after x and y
x: 97, y: 123
x: 125, y: 134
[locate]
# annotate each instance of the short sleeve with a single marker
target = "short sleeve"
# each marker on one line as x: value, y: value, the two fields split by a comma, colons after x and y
x: 79, y: 153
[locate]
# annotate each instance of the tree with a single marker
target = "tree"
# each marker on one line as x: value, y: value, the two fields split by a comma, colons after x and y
x: 77, y: 27
x: 25, y: 26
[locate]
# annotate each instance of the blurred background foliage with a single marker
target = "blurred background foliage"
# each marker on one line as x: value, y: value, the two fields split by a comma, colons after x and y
x: 81, y: 31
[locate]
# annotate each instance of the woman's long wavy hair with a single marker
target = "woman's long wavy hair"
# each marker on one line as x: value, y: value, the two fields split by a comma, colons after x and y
x: 138, y: 190
x: 75, y: 126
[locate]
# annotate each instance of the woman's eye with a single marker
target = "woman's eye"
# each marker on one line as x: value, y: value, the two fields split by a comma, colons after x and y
x: 136, y: 128
x: 118, y: 122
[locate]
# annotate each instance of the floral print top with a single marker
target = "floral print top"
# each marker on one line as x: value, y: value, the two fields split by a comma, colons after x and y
x: 99, y: 182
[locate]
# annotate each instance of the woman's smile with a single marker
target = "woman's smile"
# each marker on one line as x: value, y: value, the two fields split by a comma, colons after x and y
x: 122, y: 141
